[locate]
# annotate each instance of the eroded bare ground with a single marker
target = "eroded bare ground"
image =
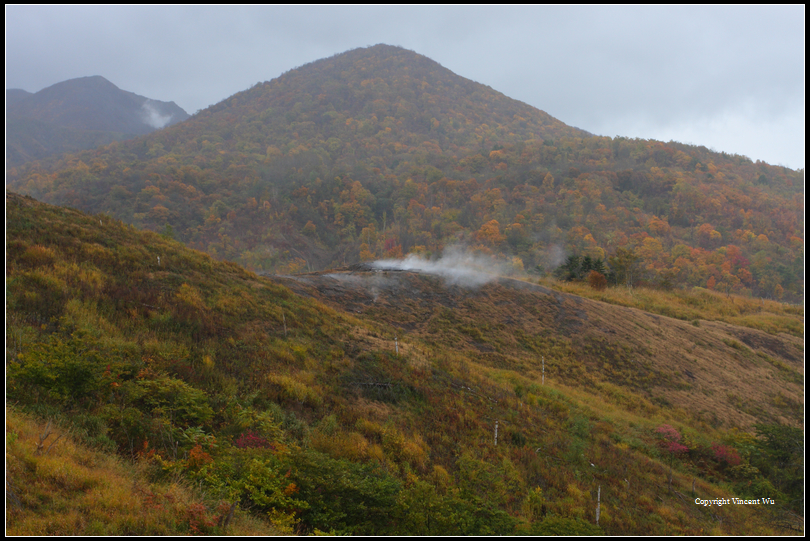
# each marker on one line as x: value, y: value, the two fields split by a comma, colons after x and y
x: 721, y: 373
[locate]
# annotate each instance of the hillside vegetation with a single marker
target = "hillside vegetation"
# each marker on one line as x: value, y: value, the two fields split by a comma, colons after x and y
x: 419, y: 409
x: 57, y: 485
x: 380, y: 152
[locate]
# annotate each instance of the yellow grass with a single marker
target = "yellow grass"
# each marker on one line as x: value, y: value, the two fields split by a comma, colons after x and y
x: 698, y: 304
x: 69, y: 489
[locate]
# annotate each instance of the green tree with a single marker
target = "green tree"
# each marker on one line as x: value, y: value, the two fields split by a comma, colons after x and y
x: 69, y: 370
x: 780, y: 458
x: 624, y: 266
x: 344, y: 497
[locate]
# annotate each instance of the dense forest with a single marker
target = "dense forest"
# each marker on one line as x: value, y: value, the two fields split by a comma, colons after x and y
x: 237, y: 405
x: 380, y: 152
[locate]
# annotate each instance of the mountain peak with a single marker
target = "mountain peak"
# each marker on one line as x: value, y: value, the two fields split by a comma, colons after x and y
x: 79, y: 113
x: 88, y: 81
x: 387, y: 81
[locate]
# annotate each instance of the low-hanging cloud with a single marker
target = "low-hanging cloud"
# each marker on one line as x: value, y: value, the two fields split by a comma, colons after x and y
x: 152, y: 117
x: 456, y: 266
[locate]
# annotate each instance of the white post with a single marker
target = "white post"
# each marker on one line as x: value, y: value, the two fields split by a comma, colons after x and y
x: 158, y: 261
x: 396, y: 345
x: 598, y: 503
x: 496, y: 432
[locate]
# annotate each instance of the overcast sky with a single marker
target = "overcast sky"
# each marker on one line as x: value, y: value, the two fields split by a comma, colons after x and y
x: 729, y: 78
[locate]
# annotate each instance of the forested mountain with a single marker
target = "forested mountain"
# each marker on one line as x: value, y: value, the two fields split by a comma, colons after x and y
x: 14, y: 96
x: 78, y: 114
x: 378, y: 402
x: 379, y: 152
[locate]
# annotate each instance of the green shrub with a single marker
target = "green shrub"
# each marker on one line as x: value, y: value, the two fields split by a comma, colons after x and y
x: 554, y: 525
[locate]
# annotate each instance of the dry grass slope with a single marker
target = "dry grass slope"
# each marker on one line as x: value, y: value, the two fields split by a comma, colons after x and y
x: 719, y: 373
x: 57, y: 486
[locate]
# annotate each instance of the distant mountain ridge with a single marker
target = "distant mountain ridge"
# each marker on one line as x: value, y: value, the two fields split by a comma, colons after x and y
x: 15, y: 95
x: 79, y: 114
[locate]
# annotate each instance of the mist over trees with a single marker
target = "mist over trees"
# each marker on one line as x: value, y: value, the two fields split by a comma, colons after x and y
x: 381, y: 151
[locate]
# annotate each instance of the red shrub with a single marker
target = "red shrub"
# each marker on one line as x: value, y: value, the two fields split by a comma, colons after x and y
x: 670, y: 440
x: 249, y: 440
x: 197, y: 458
x: 729, y: 455
x: 597, y: 280
x: 199, y: 523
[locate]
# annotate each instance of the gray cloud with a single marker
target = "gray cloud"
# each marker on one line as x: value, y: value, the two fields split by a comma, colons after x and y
x: 153, y: 117
x: 730, y: 78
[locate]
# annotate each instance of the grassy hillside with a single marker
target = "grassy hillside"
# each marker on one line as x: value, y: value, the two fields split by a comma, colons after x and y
x: 304, y: 414
x: 509, y: 324
x: 66, y: 487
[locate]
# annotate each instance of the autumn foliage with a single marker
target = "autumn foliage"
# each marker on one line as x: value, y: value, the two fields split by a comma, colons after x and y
x: 726, y: 454
x: 330, y: 163
x: 368, y: 411
x: 669, y: 440
x: 597, y: 280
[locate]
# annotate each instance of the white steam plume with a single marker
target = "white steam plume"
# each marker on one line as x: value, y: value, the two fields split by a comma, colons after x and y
x: 456, y: 265
x: 152, y: 116
x: 555, y: 256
